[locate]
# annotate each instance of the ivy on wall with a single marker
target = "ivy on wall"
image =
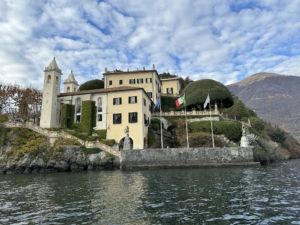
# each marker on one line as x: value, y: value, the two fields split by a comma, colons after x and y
x: 67, y: 116
x: 88, y: 117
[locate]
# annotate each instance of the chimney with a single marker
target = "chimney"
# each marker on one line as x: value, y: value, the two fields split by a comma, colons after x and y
x: 153, y: 67
x: 144, y: 68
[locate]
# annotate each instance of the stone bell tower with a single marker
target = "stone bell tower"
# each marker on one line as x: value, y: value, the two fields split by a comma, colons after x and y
x: 70, y: 84
x: 52, y: 80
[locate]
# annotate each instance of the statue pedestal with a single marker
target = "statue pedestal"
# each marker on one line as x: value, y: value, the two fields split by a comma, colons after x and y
x: 126, y: 145
x: 244, y: 142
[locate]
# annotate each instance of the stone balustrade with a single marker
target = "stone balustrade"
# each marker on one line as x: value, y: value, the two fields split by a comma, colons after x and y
x: 182, y: 113
x: 52, y: 135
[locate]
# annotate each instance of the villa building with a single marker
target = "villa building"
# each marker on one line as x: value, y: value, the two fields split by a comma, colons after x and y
x: 126, y: 100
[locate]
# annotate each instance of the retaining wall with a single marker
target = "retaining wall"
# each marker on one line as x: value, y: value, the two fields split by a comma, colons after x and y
x: 186, y: 158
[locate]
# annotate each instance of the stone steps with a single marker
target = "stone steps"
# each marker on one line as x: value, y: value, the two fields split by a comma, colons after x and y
x: 52, y: 135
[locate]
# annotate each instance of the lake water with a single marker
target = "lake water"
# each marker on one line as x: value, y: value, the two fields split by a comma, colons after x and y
x: 257, y: 195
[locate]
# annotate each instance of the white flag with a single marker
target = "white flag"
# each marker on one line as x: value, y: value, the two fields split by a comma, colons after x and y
x: 206, y: 101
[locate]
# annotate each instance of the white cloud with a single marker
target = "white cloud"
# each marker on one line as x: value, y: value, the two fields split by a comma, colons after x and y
x: 223, y: 40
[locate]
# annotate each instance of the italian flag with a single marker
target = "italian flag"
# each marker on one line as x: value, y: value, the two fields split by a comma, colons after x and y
x: 179, y: 101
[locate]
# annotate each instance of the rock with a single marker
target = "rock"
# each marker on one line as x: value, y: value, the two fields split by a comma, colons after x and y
x: 94, y: 159
x: 26, y: 162
x: 102, y: 155
x: 51, y: 164
x: 81, y: 160
x: 37, y: 163
x: 61, y: 166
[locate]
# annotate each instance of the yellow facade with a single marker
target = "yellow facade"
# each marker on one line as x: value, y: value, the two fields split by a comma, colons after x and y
x: 139, y: 109
x: 146, y: 79
x: 170, y: 86
x: 120, y: 107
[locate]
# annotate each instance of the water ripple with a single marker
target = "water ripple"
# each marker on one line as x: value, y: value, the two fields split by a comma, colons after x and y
x: 264, y: 195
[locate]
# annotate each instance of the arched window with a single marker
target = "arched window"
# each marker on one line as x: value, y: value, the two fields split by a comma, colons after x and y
x: 49, y: 79
x: 68, y: 89
x: 56, y: 80
x: 99, y: 109
x: 78, y: 110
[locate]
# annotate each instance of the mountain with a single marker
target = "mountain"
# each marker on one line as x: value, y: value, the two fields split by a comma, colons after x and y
x: 275, y: 98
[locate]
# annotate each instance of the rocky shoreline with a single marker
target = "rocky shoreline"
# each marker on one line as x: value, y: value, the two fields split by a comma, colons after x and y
x: 71, y: 159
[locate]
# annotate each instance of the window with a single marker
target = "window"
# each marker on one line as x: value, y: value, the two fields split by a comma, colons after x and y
x: 117, y: 101
x: 110, y: 82
x: 56, y: 80
x: 99, y: 109
x: 140, y: 80
x: 131, y: 81
x: 148, y: 80
x: 149, y: 94
x: 120, y: 82
x: 132, y: 99
x: 78, y: 110
x: 144, y: 102
x: 117, y: 118
x: 68, y: 89
x: 49, y: 79
x: 169, y: 90
x: 145, y: 119
x: 132, y: 117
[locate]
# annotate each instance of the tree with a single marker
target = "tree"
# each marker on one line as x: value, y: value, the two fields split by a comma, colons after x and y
x: 91, y: 85
x: 196, y: 93
x: 239, y: 111
x: 19, y: 102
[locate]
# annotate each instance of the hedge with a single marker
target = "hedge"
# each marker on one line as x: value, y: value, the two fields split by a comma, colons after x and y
x: 231, y: 129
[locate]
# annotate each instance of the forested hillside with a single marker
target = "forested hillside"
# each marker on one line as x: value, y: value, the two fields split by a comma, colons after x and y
x: 275, y: 98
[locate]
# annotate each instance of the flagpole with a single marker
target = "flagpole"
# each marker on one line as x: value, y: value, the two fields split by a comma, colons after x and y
x: 187, y: 134
x: 212, y: 132
x: 161, y: 134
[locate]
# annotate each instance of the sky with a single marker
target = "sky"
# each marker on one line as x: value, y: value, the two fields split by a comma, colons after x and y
x: 224, y: 40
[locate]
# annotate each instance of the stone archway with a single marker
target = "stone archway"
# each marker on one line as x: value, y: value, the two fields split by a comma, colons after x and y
x: 121, y: 143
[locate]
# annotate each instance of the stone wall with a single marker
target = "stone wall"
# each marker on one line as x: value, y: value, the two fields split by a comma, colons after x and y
x: 188, y: 158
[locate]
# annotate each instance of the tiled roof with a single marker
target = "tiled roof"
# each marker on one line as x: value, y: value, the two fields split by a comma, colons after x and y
x: 104, y: 90
x: 127, y: 72
x: 167, y: 79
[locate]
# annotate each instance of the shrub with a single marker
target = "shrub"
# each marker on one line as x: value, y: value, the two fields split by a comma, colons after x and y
x: 151, y: 137
x: 202, y: 139
x: 256, y: 123
x: 155, y: 124
x: 231, y: 129
x: 277, y: 135
x: 66, y: 141
x: 82, y: 136
x: 3, y: 118
x: 168, y: 103
x: 238, y: 111
x: 109, y: 142
x: 3, y: 133
x: 89, y: 151
x: 25, y: 141
x: 101, y: 134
